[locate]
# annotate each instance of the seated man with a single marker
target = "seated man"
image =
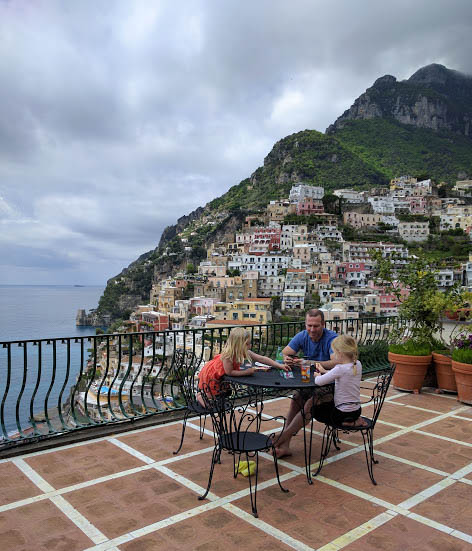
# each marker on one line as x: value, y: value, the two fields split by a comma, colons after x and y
x: 315, y: 343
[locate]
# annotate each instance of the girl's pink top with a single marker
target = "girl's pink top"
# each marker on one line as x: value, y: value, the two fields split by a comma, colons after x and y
x: 346, y: 385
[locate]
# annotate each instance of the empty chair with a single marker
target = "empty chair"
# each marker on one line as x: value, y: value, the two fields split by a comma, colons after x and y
x: 186, y: 365
x: 330, y: 434
x: 239, y: 431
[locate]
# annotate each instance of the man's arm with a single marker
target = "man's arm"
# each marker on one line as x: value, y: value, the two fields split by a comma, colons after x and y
x: 328, y: 364
x: 289, y: 356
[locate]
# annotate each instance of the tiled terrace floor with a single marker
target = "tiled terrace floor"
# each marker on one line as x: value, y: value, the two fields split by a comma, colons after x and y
x: 131, y: 493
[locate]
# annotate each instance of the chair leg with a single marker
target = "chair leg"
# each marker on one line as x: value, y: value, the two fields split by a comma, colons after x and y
x: 214, y: 458
x: 368, y: 437
x: 325, y: 446
x: 183, y: 432
x: 336, y: 439
x: 253, y: 497
x: 308, y: 451
x: 202, y: 427
x: 276, y: 464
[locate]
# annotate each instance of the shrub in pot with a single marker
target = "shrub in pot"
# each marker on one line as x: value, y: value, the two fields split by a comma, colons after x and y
x: 462, y: 368
x: 412, y: 359
x: 442, y: 365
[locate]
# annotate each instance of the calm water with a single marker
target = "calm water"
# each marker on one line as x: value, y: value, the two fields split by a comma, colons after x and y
x: 40, y: 312
x: 35, y: 312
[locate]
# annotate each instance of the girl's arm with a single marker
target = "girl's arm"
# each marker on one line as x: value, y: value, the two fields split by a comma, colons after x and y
x: 228, y: 367
x: 266, y: 360
x: 328, y: 377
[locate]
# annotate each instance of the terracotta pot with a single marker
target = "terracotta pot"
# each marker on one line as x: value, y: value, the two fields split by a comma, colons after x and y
x: 444, y: 373
x: 410, y: 371
x: 463, y: 374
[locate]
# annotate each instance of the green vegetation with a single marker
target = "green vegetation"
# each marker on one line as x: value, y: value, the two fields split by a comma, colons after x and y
x: 391, y: 149
x: 463, y: 355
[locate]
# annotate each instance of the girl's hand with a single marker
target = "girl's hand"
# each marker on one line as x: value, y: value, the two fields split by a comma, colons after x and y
x: 320, y: 368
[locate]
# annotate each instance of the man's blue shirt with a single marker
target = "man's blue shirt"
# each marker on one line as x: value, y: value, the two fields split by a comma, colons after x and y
x: 319, y: 351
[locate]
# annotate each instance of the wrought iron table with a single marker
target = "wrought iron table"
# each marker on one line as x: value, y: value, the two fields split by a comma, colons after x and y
x: 269, y: 381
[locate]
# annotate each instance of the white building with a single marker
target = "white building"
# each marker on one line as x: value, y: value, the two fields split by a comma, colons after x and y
x: 445, y: 278
x: 300, y: 191
x: 414, y: 231
x: 350, y: 196
x: 463, y: 188
x: 382, y: 205
x: 270, y: 286
x: 265, y: 265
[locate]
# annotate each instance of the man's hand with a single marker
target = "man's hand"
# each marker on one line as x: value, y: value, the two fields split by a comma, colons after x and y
x: 291, y: 361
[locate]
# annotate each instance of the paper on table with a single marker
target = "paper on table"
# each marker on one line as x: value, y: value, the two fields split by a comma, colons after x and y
x: 261, y: 367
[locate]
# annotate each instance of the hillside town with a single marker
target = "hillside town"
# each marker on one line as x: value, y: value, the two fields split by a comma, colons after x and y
x: 273, y: 269
x: 271, y: 266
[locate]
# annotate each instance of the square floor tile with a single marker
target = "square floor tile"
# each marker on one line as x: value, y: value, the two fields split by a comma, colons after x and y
x: 402, y: 533
x: 130, y: 502
x: 161, y: 442
x: 197, y: 469
x: 396, y: 481
x: 452, y: 507
x: 216, y: 530
x: 429, y: 451
x: 14, y: 485
x: 40, y: 526
x: 71, y: 466
x: 430, y: 401
x: 314, y: 514
x: 399, y: 415
x: 458, y: 429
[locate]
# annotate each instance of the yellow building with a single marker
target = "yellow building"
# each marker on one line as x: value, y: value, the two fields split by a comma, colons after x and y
x: 255, y: 310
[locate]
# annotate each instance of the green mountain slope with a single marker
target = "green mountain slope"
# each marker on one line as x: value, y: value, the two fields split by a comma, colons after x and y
x: 392, y: 149
x: 307, y: 156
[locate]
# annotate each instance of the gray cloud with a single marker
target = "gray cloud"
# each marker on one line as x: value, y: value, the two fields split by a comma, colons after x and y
x: 116, y: 118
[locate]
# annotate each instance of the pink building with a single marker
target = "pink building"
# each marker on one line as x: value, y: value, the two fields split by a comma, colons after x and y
x: 308, y: 205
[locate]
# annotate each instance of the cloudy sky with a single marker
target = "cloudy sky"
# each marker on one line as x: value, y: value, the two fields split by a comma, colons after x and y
x: 118, y: 117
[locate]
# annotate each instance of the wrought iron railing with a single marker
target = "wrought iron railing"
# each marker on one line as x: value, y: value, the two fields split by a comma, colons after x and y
x: 50, y: 387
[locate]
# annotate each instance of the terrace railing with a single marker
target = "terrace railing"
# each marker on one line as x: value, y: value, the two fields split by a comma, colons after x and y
x: 49, y: 387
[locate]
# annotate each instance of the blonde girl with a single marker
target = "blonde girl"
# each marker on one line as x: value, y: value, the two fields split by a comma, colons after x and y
x: 346, y: 375
x: 235, y: 352
x: 345, y: 409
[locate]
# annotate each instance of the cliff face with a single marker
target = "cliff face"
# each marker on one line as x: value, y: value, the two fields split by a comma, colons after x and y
x: 434, y: 97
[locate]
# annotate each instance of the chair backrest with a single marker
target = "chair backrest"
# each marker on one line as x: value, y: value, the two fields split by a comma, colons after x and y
x: 379, y: 392
x: 186, y: 365
x: 233, y: 413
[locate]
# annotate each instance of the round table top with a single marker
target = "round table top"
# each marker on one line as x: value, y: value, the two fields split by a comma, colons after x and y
x: 272, y: 379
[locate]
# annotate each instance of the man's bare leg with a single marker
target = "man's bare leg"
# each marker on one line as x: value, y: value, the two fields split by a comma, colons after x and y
x: 282, y: 447
x: 296, y: 404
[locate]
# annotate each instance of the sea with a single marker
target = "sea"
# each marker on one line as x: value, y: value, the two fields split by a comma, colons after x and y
x: 29, y: 312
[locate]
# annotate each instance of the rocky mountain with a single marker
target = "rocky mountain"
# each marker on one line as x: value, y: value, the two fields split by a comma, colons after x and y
x: 434, y: 97
x: 420, y: 126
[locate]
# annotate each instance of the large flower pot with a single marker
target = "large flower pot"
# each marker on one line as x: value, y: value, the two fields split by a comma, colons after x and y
x: 410, y: 371
x: 463, y: 374
x: 444, y: 374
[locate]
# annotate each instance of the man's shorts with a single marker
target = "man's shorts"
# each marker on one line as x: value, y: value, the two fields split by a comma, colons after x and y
x: 321, y: 394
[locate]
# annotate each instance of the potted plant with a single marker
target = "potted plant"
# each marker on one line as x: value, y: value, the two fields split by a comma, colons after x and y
x: 455, y: 309
x: 442, y: 364
x: 462, y: 367
x: 421, y: 305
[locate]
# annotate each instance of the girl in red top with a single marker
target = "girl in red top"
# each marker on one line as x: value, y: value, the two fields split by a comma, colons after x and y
x: 235, y: 352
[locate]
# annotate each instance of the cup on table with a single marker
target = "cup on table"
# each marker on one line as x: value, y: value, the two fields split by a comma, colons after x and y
x: 305, y: 370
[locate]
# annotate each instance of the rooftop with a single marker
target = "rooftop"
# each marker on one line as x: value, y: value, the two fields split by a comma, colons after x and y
x: 129, y: 492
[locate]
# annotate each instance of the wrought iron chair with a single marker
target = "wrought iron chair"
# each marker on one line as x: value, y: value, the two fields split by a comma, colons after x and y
x: 238, y: 431
x: 331, y: 430
x: 186, y: 366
